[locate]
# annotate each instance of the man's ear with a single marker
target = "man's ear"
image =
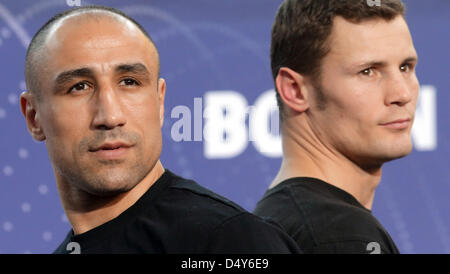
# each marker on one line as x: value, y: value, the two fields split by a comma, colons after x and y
x: 29, y: 111
x: 292, y: 89
x: 161, y: 94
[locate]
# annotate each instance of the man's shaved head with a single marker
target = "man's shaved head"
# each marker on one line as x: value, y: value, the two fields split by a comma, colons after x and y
x: 35, y: 53
x: 92, y: 79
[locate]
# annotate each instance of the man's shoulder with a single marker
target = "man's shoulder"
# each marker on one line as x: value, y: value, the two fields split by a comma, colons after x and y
x: 307, y: 210
x: 193, y: 197
x: 312, y: 202
x: 344, y: 228
x: 194, y: 190
x: 317, y: 220
x: 201, y: 217
x: 197, y: 208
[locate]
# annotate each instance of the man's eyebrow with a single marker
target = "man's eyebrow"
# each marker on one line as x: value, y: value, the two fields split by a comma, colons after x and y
x: 138, y: 68
x: 411, y: 59
x: 68, y: 75
x: 369, y: 64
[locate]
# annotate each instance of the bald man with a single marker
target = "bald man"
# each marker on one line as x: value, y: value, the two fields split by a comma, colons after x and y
x: 96, y: 99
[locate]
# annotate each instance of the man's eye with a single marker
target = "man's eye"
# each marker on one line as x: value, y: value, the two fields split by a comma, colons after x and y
x: 78, y: 87
x: 367, y: 72
x: 128, y: 82
x: 405, y: 68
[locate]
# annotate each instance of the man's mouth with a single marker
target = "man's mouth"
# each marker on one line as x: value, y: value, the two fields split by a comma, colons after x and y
x: 111, y: 150
x: 398, y: 124
x: 110, y: 146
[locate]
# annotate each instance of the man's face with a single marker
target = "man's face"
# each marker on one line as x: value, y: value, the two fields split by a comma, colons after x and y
x: 102, y: 104
x: 370, y: 90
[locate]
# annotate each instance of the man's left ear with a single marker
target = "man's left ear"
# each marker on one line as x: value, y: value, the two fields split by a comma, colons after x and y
x: 161, y: 94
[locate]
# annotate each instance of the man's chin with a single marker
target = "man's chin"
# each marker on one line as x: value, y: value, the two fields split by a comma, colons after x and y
x: 374, y: 162
x: 109, y: 192
x: 396, y: 153
x: 109, y: 184
x: 106, y: 189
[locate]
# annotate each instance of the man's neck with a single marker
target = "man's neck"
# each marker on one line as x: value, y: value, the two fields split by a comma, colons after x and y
x: 85, y: 211
x: 303, y: 159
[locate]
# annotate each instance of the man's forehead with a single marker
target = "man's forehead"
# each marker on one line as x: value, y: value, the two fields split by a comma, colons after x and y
x: 79, y: 43
x: 91, y: 24
x: 368, y: 28
x: 97, y: 33
x: 371, y: 38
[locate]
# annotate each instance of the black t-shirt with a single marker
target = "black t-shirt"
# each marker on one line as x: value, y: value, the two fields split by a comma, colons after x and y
x: 322, y: 218
x: 179, y: 216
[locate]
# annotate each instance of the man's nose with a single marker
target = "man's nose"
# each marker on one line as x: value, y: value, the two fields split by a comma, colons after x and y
x: 108, y: 112
x: 400, y: 90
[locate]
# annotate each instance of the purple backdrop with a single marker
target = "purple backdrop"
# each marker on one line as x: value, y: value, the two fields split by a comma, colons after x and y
x: 215, y: 53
